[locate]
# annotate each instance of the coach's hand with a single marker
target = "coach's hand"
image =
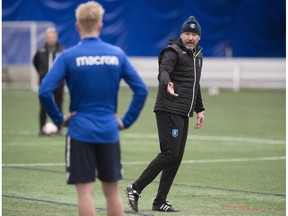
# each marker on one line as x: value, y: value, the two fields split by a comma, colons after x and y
x: 67, y: 118
x: 170, y: 89
x: 200, y: 120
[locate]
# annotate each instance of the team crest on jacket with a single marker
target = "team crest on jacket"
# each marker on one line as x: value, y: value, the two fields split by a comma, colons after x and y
x: 175, y: 133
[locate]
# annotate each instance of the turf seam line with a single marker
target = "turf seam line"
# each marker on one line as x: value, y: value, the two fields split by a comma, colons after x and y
x: 231, y: 190
x: 216, y: 188
x: 157, y: 182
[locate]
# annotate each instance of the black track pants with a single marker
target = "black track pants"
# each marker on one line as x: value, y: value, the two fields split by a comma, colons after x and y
x: 172, y: 132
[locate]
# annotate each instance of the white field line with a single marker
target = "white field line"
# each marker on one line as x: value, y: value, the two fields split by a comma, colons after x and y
x: 34, y: 143
x: 232, y: 160
x: 190, y: 137
x: 236, y: 160
x: 34, y: 165
x: 48, y: 142
x: 212, y: 138
x: 62, y: 143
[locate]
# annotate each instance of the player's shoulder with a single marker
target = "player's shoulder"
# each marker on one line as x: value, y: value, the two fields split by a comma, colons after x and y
x: 113, y: 48
x: 70, y: 51
x: 100, y: 48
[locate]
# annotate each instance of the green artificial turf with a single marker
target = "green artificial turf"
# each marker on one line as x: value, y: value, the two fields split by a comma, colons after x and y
x: 234, y: 165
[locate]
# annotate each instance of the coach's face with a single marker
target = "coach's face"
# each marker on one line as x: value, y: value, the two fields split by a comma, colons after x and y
x: 190, y: 40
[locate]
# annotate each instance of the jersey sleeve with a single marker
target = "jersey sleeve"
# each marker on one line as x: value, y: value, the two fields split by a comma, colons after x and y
x: 131, y: 77
x: 51, y: 81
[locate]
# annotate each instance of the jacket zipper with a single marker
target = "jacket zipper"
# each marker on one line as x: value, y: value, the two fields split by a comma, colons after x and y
x: 194, y: 84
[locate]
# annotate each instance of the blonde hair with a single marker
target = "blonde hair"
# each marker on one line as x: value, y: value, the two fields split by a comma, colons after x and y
x: 89, y: 15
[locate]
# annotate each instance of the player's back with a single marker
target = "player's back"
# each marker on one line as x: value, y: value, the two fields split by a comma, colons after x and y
x: 93, y: 74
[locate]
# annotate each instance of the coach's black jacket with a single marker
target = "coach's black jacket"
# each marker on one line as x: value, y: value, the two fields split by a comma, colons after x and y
x: 183, y: 68
x: 41, y: 59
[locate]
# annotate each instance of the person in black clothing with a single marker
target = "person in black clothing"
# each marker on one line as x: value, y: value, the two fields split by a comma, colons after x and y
x: 179, y: 95
x: 42, y: 61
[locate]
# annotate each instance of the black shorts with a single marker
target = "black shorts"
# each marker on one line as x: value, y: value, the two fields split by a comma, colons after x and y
x: 86, y: 161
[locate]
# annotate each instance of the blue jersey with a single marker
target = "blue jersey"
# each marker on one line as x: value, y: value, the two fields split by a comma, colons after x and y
x: 93, y: 70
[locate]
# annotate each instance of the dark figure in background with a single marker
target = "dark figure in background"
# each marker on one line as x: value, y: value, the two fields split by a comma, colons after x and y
x: 42, y: 61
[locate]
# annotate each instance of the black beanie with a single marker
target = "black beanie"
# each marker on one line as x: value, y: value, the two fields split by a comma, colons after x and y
x: 191, y: 25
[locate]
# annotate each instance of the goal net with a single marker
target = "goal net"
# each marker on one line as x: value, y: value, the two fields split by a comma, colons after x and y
x: 20, y: 41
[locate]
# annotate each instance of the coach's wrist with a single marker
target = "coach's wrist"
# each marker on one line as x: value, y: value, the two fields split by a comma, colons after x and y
x: 201, y: 112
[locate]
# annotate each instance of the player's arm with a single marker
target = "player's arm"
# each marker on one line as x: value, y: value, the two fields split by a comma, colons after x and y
x: 51, y: 81
x: 140, y: 91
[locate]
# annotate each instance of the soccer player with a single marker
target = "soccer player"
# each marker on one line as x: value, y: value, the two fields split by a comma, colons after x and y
x: 179, y: 95
x: 92, y: 70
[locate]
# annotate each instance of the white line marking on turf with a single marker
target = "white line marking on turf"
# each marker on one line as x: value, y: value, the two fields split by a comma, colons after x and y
x: 190, y: 137
x: 211, y: 138
x: 34, y: 165
x: 236, y: 160
x: 146, y: 162
x: 35, y: 143
x: 216, y: 160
